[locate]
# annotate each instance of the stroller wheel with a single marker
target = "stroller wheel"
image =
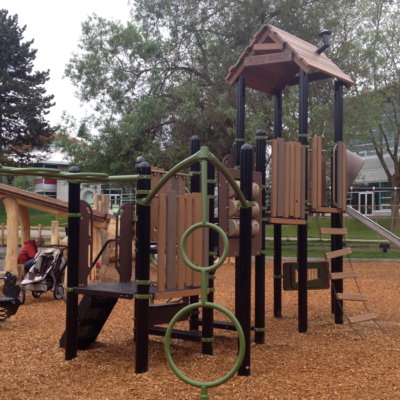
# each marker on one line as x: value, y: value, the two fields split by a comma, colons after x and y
x: 36, y: 295
x: 57, y: 291
x: 21, y: 296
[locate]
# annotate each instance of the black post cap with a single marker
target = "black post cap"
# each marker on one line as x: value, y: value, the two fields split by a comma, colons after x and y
x: 74, y: 170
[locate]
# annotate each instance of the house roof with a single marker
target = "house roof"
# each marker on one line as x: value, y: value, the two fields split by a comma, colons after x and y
x: 272, y: 60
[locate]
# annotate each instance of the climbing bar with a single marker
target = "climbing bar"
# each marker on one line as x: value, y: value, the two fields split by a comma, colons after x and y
x: 361, y: 318
x: 333, y: 231
x: 337, y: 253
x: 351, y: 297
x: 343, y: 275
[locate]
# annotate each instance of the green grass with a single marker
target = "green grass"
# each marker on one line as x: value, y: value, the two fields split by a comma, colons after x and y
x: 36, y: 217
x: 359, y: 250
x: 356, y: 230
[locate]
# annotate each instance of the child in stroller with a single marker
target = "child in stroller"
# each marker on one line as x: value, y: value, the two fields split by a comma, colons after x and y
x: 45, y: 273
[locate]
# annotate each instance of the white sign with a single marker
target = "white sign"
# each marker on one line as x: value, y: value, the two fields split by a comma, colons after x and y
x: 268, y: 58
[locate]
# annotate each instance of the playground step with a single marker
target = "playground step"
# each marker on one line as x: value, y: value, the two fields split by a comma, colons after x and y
x: 351, y: 297
x: 333, y: 231
x: 93, y: 312
x: 337, y: 253
x: 176, y: 333
x: 361, y: 318
x: 343, y: 275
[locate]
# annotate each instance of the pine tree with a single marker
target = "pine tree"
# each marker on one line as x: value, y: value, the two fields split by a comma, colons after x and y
x: 23, y: 103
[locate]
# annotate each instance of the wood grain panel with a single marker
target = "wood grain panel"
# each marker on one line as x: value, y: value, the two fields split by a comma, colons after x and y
x: 180, y: 264
x: 197, y: 238
x: 162, y: 234
x: 171, y: 239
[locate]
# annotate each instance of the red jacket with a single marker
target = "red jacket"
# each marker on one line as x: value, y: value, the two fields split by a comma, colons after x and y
x: 28, y: 252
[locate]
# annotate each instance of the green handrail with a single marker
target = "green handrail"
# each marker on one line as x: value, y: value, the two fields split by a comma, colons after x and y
x: 202, y: 154
x: 203, y: 303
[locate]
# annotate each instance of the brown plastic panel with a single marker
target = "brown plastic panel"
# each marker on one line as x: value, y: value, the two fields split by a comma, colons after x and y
x: 274, y: 177
x: 162, y: 235
x: 286, y: 183
x: 85, y: 242
x: 292, y: 177
x: 333, y: 231
x: 281, y: 177
x: 197, y: 239
x: 286, y: 221
x: 180, y: 265
x: 189, y: 241
x: 223, y: 210
x: 299, y: 183
x: 171, y: 222
x: 304, y: 184
x: 154, y: 209
x: 123, y: 263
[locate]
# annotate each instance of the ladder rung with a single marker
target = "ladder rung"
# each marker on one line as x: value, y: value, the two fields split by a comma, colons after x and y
x: 352, y: 297
x: 333, y: 231
x: 343, y: 275
x: 337, y: 253
x: 361, y: 318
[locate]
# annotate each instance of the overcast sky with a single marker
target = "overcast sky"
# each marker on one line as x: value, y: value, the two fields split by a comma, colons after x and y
x: 56, y: 27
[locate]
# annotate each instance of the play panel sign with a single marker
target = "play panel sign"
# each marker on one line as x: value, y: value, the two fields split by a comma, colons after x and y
x: 268, y: 58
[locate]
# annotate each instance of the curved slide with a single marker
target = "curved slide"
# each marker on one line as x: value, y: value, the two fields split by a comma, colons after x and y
x: 374, y: 226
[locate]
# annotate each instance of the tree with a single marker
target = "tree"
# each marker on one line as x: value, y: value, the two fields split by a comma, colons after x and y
x: 23, y: 104
x: 160, y: 78
x: 375, y: 103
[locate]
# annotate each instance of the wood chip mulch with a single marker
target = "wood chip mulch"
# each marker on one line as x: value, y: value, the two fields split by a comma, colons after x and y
x: 329, y: 361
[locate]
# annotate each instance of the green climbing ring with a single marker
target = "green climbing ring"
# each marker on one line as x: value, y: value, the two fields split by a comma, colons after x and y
x: 224, y: 253
x: 242, y: 345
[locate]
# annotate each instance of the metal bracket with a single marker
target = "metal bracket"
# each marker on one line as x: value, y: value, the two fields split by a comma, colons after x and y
x: 259, y: 329
x: 142, y: 192
x: 145, y: 177
x: 195, y: 312
x: 69, y: 289
x: 264, y: 219
x: 211, y: 289
x: 191, y: 173
x: 278, y: 276
x: 212, y: 196
x: 212, y: 253
x: 142, y: 296
x: 207, y: 340
x: 212, y: 277
x: 74, y: 215
x: 138, y: 282
x: 263, y: 137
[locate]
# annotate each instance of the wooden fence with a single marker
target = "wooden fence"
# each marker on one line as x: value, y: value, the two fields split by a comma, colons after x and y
x: 56, y: 232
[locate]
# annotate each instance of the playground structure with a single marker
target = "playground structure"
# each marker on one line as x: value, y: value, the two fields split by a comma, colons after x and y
x: 298, y: 187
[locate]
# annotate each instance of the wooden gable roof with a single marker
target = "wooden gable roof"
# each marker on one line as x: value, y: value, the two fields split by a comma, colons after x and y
x: 273, y: 58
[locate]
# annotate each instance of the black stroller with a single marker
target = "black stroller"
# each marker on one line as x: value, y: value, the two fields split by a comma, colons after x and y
x: 46, y: 271
x: 14, y: 297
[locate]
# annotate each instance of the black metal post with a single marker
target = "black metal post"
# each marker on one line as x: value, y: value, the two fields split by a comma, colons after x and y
x: 278, y: 228
x: 139, y: 160
x: 71, y: 329
x: 336, y: 218
x: 240, y: 130
x: 260, y: 260
x: 302, y: 229
x: 243, y: 312
x: 142, y: 273
x: 208, y: 313
x: 194, y: 188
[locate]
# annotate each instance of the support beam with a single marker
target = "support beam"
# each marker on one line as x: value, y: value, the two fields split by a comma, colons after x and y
x: 240, y: 129
x: 71, y: 329
x: 260, y: 260
x: 277, y: 228
x: 55, y: 226
x: 143, y: 274
x: 336, y: 220
x: 302, y: 229
x: 195, y: 188
x: 11, y: 260
x: 25, y: 224
x: 243, y: 311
